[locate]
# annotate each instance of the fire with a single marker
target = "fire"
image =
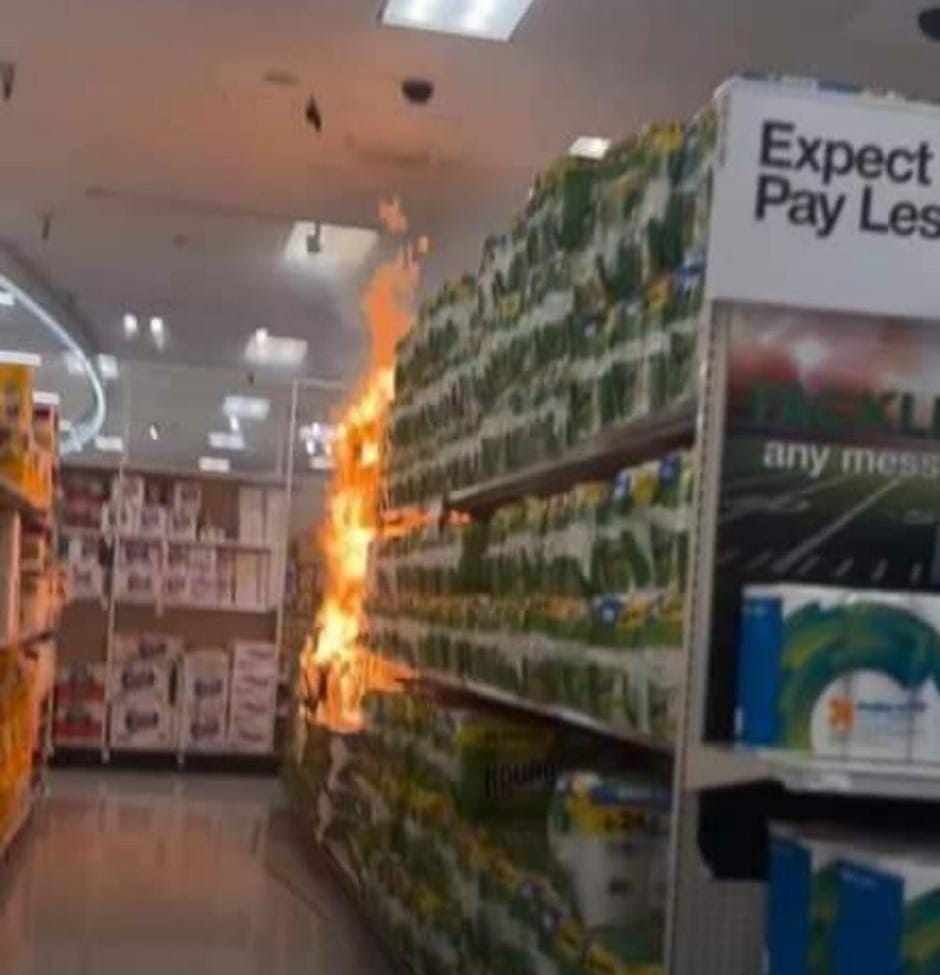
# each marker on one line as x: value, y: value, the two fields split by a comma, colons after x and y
x: 337, y: 669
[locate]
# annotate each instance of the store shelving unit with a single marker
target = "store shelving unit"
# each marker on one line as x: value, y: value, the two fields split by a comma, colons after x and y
x: 488, y: 694
x: 649, y: 437
x: 766, y: 269
x: 31, y: 647
x: 95, y: 623
x: 726, y: 795
x: 643, y: 438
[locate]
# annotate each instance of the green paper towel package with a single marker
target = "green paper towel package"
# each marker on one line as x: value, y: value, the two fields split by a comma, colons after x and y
x: 488, y: 844
x: 582, y: 317
x: 574, y: 600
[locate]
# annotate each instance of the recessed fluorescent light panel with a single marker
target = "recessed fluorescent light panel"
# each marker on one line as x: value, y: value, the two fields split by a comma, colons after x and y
x: 317, y: 440
x: 589, y: 147
x: 7, y: 299
x: 153, y: 431
x: 14, y: 358
x: 215, y: 465
x: 108, y: 366
x: 158, y: 331
x: 73, y: 365
x: 131, y: 326
x: 247, y: 407
x: 264, y: 349
x: 226, y: 441
x: 492, y: 20
x: 109, y: 445
x: 329, y: 248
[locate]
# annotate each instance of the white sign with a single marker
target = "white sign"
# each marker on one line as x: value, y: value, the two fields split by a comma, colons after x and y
x: 827, y: 200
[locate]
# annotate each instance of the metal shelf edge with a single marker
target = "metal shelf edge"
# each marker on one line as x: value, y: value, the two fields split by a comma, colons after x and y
x: 642, y: 439
x: 196, y: 607
x: 719, y: 766
x: 555, y: 713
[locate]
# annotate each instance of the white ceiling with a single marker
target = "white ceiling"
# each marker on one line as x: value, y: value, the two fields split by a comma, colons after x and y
x: 173, y: 170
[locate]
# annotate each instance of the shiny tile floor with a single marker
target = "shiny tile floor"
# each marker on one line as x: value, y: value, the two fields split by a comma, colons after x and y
x: 127, y: 874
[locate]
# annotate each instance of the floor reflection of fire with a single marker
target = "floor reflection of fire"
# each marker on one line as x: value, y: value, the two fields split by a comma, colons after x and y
x: 337, y: 669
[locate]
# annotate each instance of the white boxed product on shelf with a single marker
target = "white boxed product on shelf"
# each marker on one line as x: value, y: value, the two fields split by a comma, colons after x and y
x: 132, y: 490
x: 251, y: 736
x: 85, y: 581
x: 253, y: 657
x: 253, y: 696
x: 83, y: 550
x: 140, y: 678
x: 206, y: 674
x: 202, y: 558
x: 146, y: 647
x: 142, y: 721
x: 226, y: 575
x: 129, y: 518
x: 253, y: 705
x: 205, y: 699
x: 140, y: 554
x: 187, y: 497
x: 203, y: 731
x: 109, y: 518
x: 251, y: 516
x: 176, y: 585
x: 275, y: 517
x: 153, y: 520
x: 248, y: 589
x: 182, y: 525
x: 139, y: 585
x: 204, y: 588
x: 253, y: 701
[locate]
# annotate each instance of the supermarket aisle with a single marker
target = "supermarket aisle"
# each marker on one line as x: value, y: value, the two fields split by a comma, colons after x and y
x: 171, y: 875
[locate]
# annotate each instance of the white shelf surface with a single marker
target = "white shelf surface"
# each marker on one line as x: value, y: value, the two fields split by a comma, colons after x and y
x: 174, y: 751
x: 223, y: 544
x: 196, y: 607
x: 83, y: 531
x: 225, y: 753
x: 140, y: 749
x: 715, y: 766
x: 558, y: 713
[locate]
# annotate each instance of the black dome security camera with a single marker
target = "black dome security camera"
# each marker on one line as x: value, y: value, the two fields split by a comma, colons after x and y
x: 418, y: 91
x: 312, y: 114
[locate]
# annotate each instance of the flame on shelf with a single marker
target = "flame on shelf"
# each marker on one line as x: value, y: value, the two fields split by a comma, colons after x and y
x: 337, y: 669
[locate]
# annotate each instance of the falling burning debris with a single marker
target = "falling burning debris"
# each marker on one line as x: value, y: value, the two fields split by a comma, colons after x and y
x: 337, y: 669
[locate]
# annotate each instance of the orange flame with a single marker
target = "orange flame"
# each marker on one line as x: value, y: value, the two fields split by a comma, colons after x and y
x: 337, y: 668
